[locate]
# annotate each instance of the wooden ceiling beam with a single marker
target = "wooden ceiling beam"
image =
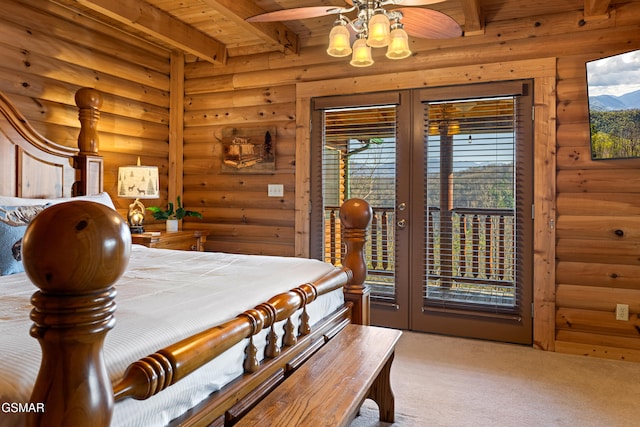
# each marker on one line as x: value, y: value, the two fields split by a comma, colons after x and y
x: 596, y: 9
x: 273, y: 33
x: 473, y: 19
x: 159, y: 24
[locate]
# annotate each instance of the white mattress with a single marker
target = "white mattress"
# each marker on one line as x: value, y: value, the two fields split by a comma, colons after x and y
x: 163, y: 297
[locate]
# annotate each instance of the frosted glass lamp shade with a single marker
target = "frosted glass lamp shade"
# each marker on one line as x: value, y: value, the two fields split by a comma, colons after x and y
x: 399, y: 45
x: 378, y: 31
x: 339, y: 43
x: 361, y: 54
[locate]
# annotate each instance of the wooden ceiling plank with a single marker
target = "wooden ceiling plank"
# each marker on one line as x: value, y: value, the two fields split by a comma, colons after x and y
x: 596, y: 9
x: 161, y: 25
x: 473, y: 19
x: 273, y: 33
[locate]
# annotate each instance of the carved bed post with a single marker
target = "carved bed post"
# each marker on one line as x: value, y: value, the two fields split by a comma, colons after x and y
x: 74, y: 252
x: 355, y: 216
x: 88, y: 163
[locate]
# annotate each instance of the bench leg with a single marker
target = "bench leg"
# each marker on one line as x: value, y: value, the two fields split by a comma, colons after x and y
x: 381, y: 393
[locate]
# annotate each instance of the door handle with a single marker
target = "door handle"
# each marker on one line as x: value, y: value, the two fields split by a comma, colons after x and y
x: 402, y: 223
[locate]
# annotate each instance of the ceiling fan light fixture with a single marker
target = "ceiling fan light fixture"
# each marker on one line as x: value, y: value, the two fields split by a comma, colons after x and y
x: 399, y: 45
x: 361, y: 53
x: 378, y: 30
x: 339, y: 41
x: 375, y: 20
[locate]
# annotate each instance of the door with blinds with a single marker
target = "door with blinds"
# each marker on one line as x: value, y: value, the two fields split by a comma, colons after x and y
x: 448, y: 174
x: 472, y: 264
x: 360, y: 150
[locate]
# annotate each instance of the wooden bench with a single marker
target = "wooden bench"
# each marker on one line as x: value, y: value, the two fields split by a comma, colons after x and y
x: 330, y: 387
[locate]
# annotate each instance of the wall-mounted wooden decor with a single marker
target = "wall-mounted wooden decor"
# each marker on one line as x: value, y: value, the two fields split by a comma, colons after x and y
x: 249, y: 150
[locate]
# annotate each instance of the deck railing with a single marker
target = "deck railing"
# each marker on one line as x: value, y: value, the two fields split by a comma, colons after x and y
x: 469, y: 247
x: 380, y: 248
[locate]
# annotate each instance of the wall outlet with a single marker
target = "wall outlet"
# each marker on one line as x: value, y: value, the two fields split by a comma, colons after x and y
x: 622, y: 312
x: 275, y: 190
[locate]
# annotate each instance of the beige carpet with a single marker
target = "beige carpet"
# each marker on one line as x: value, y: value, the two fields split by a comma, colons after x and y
x: 444, y: 381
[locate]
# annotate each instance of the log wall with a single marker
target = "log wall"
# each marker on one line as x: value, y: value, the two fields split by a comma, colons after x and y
x: 49, y: 51
x: 239, y: 215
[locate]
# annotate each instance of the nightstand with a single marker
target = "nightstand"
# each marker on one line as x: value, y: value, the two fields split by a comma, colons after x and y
x: 181, y: 240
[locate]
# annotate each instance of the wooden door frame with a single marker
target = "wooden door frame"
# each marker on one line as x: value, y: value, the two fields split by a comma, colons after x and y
x: 543, y: 73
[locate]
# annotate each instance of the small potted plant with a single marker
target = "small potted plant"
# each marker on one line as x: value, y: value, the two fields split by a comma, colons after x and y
x: 172, y: 216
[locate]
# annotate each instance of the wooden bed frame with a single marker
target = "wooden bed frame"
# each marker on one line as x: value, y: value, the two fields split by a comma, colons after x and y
x: 73, y: 312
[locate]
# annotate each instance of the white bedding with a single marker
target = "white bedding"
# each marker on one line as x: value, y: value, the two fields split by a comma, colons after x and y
x: 163, y: 297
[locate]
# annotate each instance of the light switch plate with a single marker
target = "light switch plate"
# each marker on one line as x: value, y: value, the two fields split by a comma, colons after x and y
x: 275, y: 190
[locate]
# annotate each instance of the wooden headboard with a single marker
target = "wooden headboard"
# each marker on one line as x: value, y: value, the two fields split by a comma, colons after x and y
x: 33, y: 166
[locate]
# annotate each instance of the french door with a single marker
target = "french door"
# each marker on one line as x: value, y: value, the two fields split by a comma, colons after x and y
x: 472, y: 273
x: 448, y: 174
x: 356, y: 153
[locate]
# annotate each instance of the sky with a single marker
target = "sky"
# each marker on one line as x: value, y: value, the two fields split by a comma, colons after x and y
x: 615, y: 75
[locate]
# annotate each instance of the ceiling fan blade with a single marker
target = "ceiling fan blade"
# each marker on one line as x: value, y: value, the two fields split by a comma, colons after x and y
x: 429, y: 24
x: 416, y: 2
x: 408, y: 2
x: 296, y: 13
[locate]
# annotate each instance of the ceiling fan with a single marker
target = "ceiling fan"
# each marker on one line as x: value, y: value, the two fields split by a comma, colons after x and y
x: 417, y: 22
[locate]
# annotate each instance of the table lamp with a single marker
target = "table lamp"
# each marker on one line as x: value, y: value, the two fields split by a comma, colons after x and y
x: 138, y: 182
